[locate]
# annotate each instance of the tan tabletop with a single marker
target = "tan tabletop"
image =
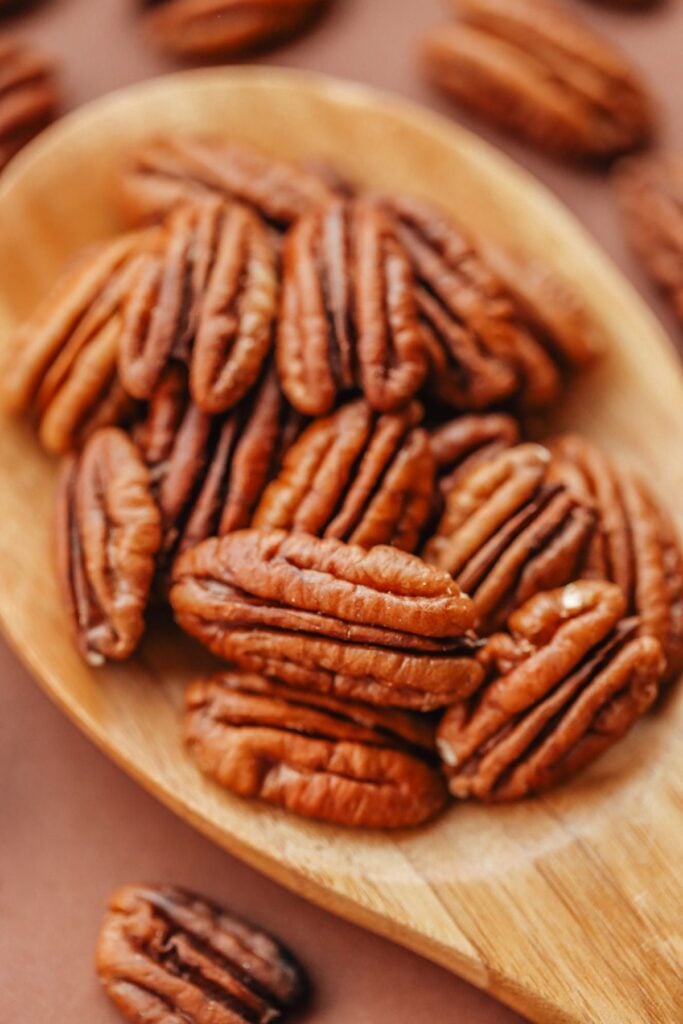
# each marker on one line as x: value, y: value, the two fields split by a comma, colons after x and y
x: 72, y: 826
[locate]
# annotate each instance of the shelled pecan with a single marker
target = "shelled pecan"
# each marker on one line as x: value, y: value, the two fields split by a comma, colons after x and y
x: 62, y: 362
x: 175, y: 169
x: 29, y: 95
x: 209, y: 299
x: 348, y: 314
x: 361, y: 477
x: 466, y: 441
x: 635, y: 544
x: 568, y: 683
x: 166, y: 954
x: 378, y: 625
x: 323, y: 758
x: 534, y: 70
x: 108, y: 532
x: 508, y: 532
x: 650, y: 193
x: 205, y: 28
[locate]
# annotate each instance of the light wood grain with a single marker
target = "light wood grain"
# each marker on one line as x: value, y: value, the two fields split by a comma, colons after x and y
x: 568, y: 908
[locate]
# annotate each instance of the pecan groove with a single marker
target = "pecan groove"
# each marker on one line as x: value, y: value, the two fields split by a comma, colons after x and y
x: 465, y: 442
x: 29, y: 97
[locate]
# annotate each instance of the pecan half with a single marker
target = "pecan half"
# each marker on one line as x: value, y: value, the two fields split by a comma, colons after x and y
x: 107, y: 533
x: 175, y: 169
x: 167, y: 955
x: 466, y: 441
x: 378, y: 625
x: 530, y: 68
x: 650, y: 193
x: 336, y: 760
x: 635, y: 544
x: 363, y: 478
x: 29, y: 96
x: 508, y: 532
x: 570, y: 682
x: 204, y: 28
x: 348, y: 313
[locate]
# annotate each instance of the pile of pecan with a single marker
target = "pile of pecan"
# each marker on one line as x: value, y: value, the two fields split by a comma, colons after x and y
x: 297, y: 412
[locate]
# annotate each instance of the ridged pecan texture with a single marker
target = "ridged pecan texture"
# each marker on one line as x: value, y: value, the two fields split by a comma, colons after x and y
x: 323, y: 758
x: 378, y: 625
x: 167, y: 956
x: 466, y: 441
x: 29, y: 95
x: 569, y: 682
x: 108, y: 532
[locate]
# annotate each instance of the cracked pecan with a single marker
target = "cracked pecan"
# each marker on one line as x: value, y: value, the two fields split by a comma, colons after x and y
x: 634, y: 546
x: 530, y: 68
x: 348, y: 313
x: 175, y: 169
x: 361, y: 477
x: 209, y: 298
x: 323, y: 758
x: 108, y: 532
x: 568, y: 683
x: 466, y: 441
x: 650, y: 193
x: 29, y: 96
x: 166, y: 954
x: 378, y: 625
x: 508, y: 532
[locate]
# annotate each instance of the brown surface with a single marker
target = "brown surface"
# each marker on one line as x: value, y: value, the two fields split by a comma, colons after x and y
x: 73, y: 826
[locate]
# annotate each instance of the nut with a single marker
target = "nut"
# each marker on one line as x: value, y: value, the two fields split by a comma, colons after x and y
x: 569, y: 683
x: 108, y: 531
x: 29, y: 96
x: 320, y: 757
x: 165, y: 954
x: 466, y: 441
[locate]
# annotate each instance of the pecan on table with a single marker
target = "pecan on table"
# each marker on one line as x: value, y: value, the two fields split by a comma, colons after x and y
x: 348, y: 314
x: 29, y: 95
x: 361, y: 477
x: 167, y: 955
x: 378, y: 625
x: 635, y: 544
x: 650, y: 193
x: 508, y: 532
x: 570, y: 682
x: 466, y: 441
x: 62, y: 362
x: 175, y: 169
x: 209, y: 299
x: 205, y: 28
x: 323, y: 758
x: 108, y: 532
x: 542, y: 75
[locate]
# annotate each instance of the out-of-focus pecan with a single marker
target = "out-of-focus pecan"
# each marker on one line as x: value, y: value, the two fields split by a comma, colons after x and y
x: 364, y: 478
x: 508, y: 532
x: 167, y: 955
x: 202, y: 28
x: 635, y: 544
x: 377, y: 625
x: 108, y: 532
x: 348, y: 313
x: 62, y: 362
x: 175, y: 169
x: 324, y: 758
x: 210, y: 299
x: 570, y: 682
x: 532, y: 69
x: 651, y: 198
x: 29, y: 96
x: 466, y: 441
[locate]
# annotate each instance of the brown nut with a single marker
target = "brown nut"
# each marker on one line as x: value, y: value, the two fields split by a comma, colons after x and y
x: 29, y: 96
x: 378, y: 625
x: 508, y: 533
x: 108, y: 532
x: 570, y: 682
x: 465, y: 442
x: 167, y: 955
x: 361, y: 477
x: 348, y: 314
x: 323, y: 758
x: 542, y: 75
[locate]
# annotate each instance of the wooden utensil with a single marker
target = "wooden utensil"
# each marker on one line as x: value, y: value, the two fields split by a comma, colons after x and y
x: 565, y: 907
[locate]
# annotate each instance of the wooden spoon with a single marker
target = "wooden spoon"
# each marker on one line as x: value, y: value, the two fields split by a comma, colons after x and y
x: 565, y: 907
